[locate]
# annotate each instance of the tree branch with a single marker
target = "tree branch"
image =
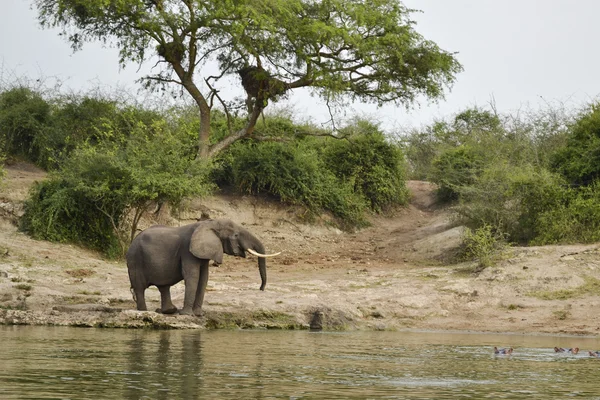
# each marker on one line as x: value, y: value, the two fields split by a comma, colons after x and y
x: 245, y: 131
x: 215, y: 93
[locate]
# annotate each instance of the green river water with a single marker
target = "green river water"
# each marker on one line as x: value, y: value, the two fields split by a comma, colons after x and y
x: 79, y: 363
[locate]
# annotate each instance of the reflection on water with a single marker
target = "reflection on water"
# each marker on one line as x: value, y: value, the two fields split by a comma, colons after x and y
x: 71, y: 363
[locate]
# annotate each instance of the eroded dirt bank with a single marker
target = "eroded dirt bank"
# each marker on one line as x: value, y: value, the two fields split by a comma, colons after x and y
x: 386, y: 277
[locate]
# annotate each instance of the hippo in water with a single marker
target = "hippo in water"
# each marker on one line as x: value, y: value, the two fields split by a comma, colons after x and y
x: 594, y: 353
x: 573, y: 350
x: 503, y: 351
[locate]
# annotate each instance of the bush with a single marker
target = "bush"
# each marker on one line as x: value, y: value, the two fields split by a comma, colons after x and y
x: 579, y: 159
x: 84, y: 120
x: 344, y: 177
x: 510, y: 200
x: 24, y: 116
x: 472, y: 128
x: 60, y: 211
x: 293, y: 173
x: 99, y: 194
x: 454, y: 169
x: 373, y: 166
x: 575, y: 219
x: 482, y: 244
x: 46, y: 131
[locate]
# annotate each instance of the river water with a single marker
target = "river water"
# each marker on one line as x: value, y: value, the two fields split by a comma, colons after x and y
x: 79, y: 363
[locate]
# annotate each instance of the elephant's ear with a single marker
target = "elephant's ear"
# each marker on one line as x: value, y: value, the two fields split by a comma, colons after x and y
x: 206, y: 244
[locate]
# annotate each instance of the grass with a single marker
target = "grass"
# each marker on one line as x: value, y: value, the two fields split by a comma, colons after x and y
x: 368, y: 285
x: 20, y: 306
x: 473, y: 268
x: 261, y: 318
x: 88, y: 293
x: 591, y: 286
x: 561, y: 314
x: 24, y: 286
x: 17, y: 279
x: 26, y: 261
x: 80, y: 272
x: 74, y: 300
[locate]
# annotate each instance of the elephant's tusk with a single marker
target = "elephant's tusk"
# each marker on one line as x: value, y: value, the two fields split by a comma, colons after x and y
x: 262, y: 255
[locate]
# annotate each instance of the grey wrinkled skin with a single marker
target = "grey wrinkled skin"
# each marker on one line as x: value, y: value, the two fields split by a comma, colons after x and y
x: 163, y: 255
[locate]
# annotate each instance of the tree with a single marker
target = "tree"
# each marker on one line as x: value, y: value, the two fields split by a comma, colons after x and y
x: 364, y: 49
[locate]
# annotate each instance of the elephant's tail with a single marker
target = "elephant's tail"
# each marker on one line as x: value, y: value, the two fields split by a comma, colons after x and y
x: 133, y: 294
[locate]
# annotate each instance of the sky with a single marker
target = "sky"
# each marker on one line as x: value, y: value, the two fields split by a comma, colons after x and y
x: 516, y: 54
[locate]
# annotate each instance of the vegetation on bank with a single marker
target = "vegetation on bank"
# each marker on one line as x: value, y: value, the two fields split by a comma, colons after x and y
x: 531, y: 178
x: 111, y: 161
x: 526, y: 180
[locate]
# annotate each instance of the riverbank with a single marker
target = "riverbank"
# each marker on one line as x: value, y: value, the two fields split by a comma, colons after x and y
x: 393, y: 275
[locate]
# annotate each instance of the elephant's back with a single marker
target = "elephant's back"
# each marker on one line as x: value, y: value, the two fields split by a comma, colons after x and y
x: 159, y: 241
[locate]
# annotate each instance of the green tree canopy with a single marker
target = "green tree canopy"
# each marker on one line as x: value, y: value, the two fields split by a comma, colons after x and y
x: 365, y: 49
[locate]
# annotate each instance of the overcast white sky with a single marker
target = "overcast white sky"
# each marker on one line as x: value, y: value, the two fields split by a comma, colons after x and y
x: 523, y: 53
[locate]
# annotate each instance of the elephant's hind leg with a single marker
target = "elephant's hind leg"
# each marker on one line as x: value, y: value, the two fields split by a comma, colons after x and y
x: 140, y: 299
x: 166, y: 305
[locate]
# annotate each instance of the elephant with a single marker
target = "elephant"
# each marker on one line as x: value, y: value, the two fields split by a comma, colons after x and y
x: 163, y: 256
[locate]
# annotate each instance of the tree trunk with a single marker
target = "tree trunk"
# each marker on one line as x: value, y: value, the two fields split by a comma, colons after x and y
x: 205, y: 150
x: 204, y: 108
x: 204, y: 134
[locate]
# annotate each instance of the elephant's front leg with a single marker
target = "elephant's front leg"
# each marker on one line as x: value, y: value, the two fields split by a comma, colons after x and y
x: 166, y: 305
x: 191, y: 276
x: 201, y: 287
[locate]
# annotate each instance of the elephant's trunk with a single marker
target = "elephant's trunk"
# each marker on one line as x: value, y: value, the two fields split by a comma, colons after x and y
x: 262, y: 263
x: 262, y: 268
x: 254, y: 246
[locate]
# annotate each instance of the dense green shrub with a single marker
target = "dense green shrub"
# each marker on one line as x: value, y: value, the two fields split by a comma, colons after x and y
x: 575, y: 219
x: 100, y: 192
x: 61, y: 211
x: 46, y: 130
x: 345, y: 177
x: 293, y: 173
x: 482, y: 244
x: 510, y: 199
x: 84, y: 120
x: 24, y: 116
x: 498, y: 169
x: 371, y: 164
x: 471, y: 128
x: 579, y: 159
x: 454, y: 169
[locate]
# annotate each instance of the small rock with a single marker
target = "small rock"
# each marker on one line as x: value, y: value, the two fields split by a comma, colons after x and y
x: 316, y: 324
x: 380, y: 327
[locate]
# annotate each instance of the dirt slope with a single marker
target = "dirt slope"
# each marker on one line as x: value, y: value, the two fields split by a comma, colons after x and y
x: 389, y: 276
